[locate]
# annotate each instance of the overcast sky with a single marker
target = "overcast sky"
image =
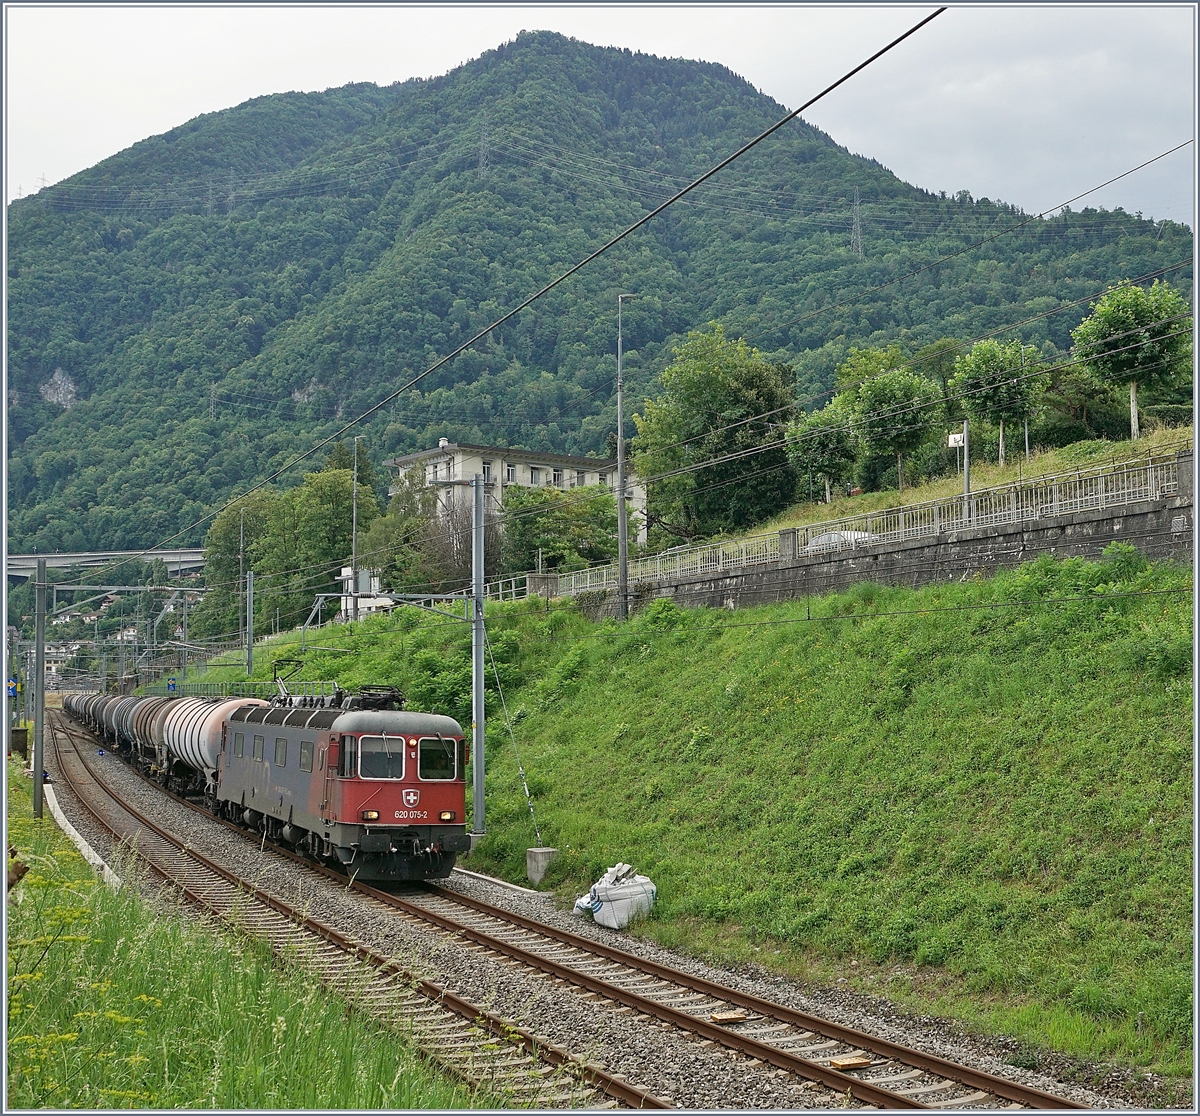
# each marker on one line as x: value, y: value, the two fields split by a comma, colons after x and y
x: 1029, y: 105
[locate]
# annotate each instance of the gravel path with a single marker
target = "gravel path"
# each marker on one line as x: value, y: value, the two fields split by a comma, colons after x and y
x: 648, y: 1053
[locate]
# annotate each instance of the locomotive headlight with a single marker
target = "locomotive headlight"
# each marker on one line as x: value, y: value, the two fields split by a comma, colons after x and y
x: 370, y: 815
x: 447, y: 815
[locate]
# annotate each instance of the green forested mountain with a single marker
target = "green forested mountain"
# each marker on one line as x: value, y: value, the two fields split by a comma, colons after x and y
x: 194, y: 310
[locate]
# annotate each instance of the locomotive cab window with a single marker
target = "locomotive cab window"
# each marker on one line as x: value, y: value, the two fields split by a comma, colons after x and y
x: 348, y: 756
x: 259, y: 744
x: 436, y: 758
x: 239, y: 744
x: 281, y: 751
x: 381, y: 757
x: 306, y: 754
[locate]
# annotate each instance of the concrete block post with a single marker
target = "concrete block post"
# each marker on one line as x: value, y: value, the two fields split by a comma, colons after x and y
x: 788, y: 545
x: 1187, y: 480
x: 542, y: 584
x: 537, y: 862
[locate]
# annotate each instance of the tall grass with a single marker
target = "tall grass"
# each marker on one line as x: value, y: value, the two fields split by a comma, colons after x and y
x: 114, y: 1002
x: 980, y: 793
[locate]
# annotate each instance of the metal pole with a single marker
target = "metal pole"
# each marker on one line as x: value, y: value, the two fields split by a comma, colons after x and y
x: 241, y: 577
x: 966, y: 471
x: 354, y: 539
x: 622, y: 510
x: 39, y: 681
x: 249, y: 623
x: 478, y: 713
x: 14, y: 672
x: 183, y: 665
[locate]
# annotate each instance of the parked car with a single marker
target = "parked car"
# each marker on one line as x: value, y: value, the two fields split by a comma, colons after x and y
x: 838, y: 540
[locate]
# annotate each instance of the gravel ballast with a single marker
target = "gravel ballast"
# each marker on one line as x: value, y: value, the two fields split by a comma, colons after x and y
x: 649, y: 1054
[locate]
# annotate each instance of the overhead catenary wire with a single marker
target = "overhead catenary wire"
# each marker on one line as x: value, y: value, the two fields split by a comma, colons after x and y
x: 749, y: 452
x: 512, y: 738
x: 612, y: 242
x: 970, y: 247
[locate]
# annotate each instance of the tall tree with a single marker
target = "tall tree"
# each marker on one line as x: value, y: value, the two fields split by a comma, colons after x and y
x: 724, y: 403
x: 862, y: 365
x: 419, y: 545
x: 936, y: 362
x: 232, y: 540
x: 569, y: 530
x: 895, y: 411
x: 1136, y: 335
x: 823, y: 443
x: 995, y: 382
x: 307, y: 541
x: 341, y: 457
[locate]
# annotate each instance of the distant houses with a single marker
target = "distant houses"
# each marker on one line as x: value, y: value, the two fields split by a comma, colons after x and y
x: 451, y: 465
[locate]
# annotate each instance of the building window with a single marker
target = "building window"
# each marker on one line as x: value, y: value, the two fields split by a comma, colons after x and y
x: 602, y: 479
x: 580, y: 478
x: 510, y: 473
x: 558, y: 478
x: 281, y: 751
x: 487, y: 472
x: 535, y: 475
x: 433, y: 473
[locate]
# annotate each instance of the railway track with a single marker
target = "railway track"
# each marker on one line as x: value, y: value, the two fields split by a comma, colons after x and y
x: 775, y: 1037
x: 474, y: 1044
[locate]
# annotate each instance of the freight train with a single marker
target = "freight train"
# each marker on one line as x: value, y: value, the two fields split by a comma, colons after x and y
x: 352, y: 780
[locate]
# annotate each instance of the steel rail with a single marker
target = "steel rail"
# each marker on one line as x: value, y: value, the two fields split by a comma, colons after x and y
x: 978, y: 1079
x: 714, y: 1032
x: 505, y: 1029
x: 833, y: 1078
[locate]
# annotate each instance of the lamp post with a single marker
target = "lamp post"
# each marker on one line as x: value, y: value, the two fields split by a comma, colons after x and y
x: 622, y: 510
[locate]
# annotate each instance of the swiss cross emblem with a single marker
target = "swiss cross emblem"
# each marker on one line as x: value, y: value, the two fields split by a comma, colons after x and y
x: 411, y: 797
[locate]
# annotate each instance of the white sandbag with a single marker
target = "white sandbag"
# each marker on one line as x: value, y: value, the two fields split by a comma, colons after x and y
x: 617, y: 897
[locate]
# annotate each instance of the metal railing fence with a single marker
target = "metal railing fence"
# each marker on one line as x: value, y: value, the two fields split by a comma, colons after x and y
x: 1045, y: 497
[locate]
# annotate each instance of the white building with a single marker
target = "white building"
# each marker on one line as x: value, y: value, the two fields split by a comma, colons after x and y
x: 458, y: 462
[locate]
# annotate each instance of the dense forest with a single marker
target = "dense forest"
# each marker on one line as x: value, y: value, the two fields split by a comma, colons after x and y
x: 190, y: 313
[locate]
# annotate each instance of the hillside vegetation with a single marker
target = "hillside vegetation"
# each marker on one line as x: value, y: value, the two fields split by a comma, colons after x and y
x: 979, y: 793
x: 194, y: 310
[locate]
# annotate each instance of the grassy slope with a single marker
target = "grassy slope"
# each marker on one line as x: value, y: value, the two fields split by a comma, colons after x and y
x: 1089, y: 454
x: 114, y: 1003
x: 987, y: 808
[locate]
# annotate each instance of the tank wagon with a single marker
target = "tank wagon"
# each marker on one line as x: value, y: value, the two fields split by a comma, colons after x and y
x: 355, y: 780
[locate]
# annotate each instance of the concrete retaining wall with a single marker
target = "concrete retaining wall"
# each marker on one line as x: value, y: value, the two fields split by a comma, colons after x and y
x: 1160, y: 529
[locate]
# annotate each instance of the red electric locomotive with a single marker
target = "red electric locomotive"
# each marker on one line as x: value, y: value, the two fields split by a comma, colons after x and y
x: 352, y: 780
x: 365, y: 783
